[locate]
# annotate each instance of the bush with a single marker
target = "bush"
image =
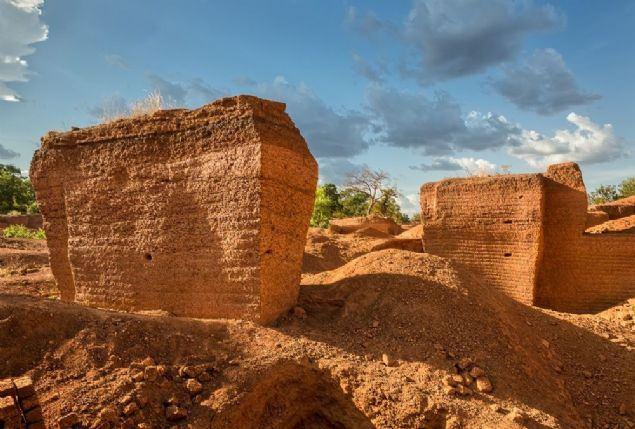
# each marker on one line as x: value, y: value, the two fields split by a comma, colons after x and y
x: 21, y: 231
x: 16, y: 192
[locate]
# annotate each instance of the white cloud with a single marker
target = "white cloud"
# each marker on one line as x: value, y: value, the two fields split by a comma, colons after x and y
x: 20, y: 27
x: 588, y: 143
x: 471, y: 166
x: 329, y: 133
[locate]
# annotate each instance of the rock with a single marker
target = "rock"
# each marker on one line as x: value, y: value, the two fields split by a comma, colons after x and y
x: 189, y: 371
x: 477, y: 372
x: 457, y: 379
x: 142, y: 399
x: 138, y: 376
x: 193, y: 386
x: 144, y: 426
x: 151, y: 373
x: 204, y: 377
x: 299, y: 312
x: 68, y: 421
x: 464, y: 363
x: 108, y: 414
x: 130, y: 409
x: 375, y: 324
x: 587, y: 374
x: 148, y: 362
x: 161, y: 370
x: 464, y: 390
x: 448, y: 380
x: 387, y: 360
x: 174, y: 413
x: 484, y: 385
x: 451, y: 391
x: 468, y: 379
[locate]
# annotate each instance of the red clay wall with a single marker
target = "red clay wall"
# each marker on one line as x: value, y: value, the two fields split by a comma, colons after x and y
x: 580, y: 272
x: 524, y: 235
x: 490, y: 225
x: 183, y: 211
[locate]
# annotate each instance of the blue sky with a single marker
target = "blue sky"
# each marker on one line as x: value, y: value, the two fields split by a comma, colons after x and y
x: 423, y: 89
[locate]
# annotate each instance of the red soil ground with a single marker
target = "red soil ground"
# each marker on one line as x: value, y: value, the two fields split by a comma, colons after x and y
x: 377, y: 340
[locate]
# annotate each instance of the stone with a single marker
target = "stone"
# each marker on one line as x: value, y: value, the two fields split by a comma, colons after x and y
x: 193, y: 386
x: 464, y: 363
x: 189, y: 371
x: 204, y: 377
x: 484, y: 385
x: 24, y: 387
x: 108, y: 414
x: 175, y: 413
x: 130, y: 409
x: 299, y: 312
x: 6, y: 388
x: 138, y: 376
x: 477, y: 372
x: 150, y: 373
x: 68, y: 421
x: 211, y: 204
x: 387, y: 360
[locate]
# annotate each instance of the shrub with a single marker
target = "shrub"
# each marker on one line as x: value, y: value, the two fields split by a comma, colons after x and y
x: 21, y: 231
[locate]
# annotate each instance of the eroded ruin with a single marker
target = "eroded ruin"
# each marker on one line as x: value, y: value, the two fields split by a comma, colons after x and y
x: 200, y: 213
x: 525, y: 235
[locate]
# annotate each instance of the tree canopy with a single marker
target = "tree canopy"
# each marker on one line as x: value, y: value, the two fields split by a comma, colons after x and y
x: 608, y: 193
x: 16, y: 192
x: 365, y: 193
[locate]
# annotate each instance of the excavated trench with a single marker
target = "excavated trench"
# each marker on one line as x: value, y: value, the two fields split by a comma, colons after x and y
x: 293, y: 396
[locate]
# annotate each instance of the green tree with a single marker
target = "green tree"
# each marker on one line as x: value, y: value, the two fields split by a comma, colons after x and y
x: 327, y: 205
x: 388, y: 206
x: 627, y: 187
x: 16, y: 192
x: 354, y: 203
x: 603, y: 194
x: 369, y: 183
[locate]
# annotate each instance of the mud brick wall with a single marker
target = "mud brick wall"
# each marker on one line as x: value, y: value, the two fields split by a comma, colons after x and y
x: 489, y: 225
x: 200, y: 213
x: 19, y: 405
x: 32, y: 221
x: 580, y: 272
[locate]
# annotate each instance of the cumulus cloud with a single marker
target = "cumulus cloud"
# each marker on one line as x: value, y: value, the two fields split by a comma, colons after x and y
x: 365, y: 23
x: 461, y: 37
x: 471, y: 166
x: 588, y: 143
x: 6, y: 153
x: 437, y: 125
x: 365, y: 69
x: 329, y: 133
x: 336, y: 170
x: 409, y: 203
x: 20, y: 27
x: 173, y: 92
x: 542, y: 84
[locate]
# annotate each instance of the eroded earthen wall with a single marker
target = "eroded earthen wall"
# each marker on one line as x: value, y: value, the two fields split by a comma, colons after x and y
x: 524, y: 235
x: 580, y: 272
x: 490, y: 225
x: 182, y: 211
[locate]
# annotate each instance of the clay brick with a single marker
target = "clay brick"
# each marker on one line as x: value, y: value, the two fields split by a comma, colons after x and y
x: 6, y: 387
x: 34, y: 415
x: 525, y: 236
x: 8, y: 408
x: 200, y: 213
x: 24, y: 387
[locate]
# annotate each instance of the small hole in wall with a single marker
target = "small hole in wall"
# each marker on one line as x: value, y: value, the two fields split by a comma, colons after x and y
x: 507, y: 254
x: 507, y: 221
x: 148, y: 257
x: 520, y: 197
x: 268, y: 251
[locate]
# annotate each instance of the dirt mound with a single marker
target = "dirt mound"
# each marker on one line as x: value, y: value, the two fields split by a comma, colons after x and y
x: 390, y: 339
x: 352, y: 224
x: 325, y: 250
x: 617, y: 209
x: 624, y: 224
x: 24, y: 268
x: 422, y: 312
x: 414, y: 232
